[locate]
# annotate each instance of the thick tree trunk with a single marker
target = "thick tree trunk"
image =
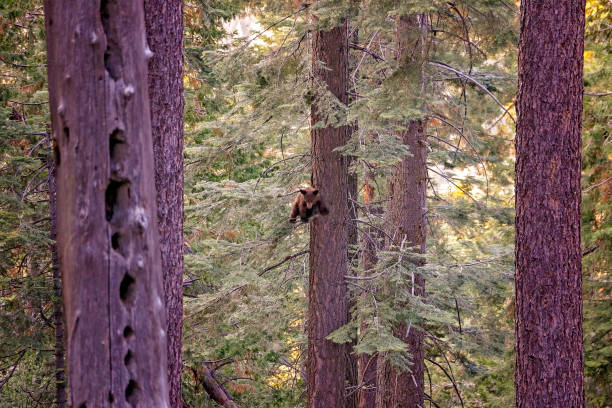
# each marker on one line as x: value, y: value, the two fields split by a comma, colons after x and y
x: 327, y: 307
x: 406, y: 215
x: 549, y: 354
x: 106, y: 212
x: 164, y: 23
x: 369, y: 245
x: 58, y: 312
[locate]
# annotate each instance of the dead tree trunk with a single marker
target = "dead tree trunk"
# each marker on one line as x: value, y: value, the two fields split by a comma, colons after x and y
x: 327, y: 307
x: 164, y: 23
x: 549, y: 353
x: 407, y: 224
x: 106, y: 212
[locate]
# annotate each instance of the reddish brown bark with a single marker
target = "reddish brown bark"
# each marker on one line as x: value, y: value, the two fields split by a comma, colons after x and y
x: 369, y: 242
x: 327, y: 307
x: 549, y: 354
x: 406, y: 215
x: 106, y: 212
x: 164, y: 24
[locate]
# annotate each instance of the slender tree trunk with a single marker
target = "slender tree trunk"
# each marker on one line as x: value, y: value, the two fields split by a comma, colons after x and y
x: 549, y: 353
x: 164, y: 23
x: 369, y: 244
x: 406, y: 214
x: 352, y: 371
x: 327, y: 307
x: 58, y: 313
x: 107, y: 236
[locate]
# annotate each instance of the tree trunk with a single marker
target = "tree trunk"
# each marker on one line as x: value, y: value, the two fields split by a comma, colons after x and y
x: 549, y: 354
x: 58, y: 313
x: 164, y: 23
x: 327, y: 307
x: 369, y: 244
x: 406, y: 215
x: 106, y: 212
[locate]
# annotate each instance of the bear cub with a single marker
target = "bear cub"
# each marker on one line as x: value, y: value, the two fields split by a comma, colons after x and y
x: 307, y: 204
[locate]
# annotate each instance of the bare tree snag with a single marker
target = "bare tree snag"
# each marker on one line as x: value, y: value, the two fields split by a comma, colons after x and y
x: 328, y: 306
x: 164, y: 24
x: 548, y: 324
x: 407, y: 223
x: 106, y: 211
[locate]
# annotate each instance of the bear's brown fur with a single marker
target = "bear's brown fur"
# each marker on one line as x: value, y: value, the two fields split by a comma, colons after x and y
x: 307, y: 204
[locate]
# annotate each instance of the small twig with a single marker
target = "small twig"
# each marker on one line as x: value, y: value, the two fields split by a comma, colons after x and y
x: 367, y: 51
x: 597, y: 93
x: 28, y: 103
x: 601, y: 183
x: 473, y: 80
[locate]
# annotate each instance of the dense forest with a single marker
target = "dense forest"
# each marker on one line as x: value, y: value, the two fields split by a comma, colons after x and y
x: 329, y: 203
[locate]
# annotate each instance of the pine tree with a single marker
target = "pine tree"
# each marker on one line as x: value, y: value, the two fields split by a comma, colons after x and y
x: 327, y: 293
x: 549, y: 352
x: 164, y: 25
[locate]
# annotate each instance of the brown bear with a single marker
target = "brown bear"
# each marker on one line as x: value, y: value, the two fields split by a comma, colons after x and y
x: 307, y: 204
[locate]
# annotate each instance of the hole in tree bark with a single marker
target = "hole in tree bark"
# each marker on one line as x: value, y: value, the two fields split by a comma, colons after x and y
x: 115, y: 241
x: 128, y: 357
x: 116, y: 138
x: 126, y: 288
x: 114, y: 191
x: 111, y: 397
x: 128, y: 332
x: 131, y: 392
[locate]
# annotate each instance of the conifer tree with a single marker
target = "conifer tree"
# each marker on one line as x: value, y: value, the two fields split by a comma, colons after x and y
x: 327, y: 300
x: 549, y: 351
x: 407, y: 225
x: 164, y: 25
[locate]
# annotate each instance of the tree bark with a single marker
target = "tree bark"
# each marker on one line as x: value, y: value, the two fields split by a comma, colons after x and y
x: 369, y: 246
x: 106, y: 212
x: 406, y: 215
x: 58, y: 313
x: 327, y: 307
x: 164, y: 24
x: 549, y: 353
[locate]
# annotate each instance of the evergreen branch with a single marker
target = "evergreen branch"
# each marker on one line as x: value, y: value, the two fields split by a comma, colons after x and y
x: 367, y: 51
x: 304, y: 7
x: 428, y: 398
x: 8, y: 377
x: 473, y: 80
x: 448, y: 376
x: 287, y: 258
x: 454, y: 184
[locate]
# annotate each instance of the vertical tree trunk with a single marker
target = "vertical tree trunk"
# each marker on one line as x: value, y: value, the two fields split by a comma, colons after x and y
x: 327, y: 307
x: 106, y: 211
x: 369, y: 242
x: 58, y: 313
x: 352, y: 371
x: 164, y: 23
x: 406, y: 214
x: 549, y: 355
